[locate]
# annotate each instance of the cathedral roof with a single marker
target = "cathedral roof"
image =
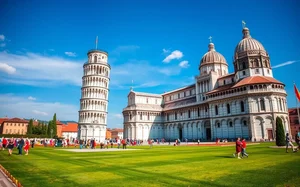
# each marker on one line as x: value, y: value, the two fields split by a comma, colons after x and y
x: 248, y: 45
x: 247, y: 81
x: 212, y: 56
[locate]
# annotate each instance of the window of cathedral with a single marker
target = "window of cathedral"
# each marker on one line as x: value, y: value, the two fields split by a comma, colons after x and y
x: 218, y: 125
x: 198, y: 112
x: 268, y: 71
x: 129, y: 116
x: 230, y: 124
x: 141, y: 116
x: 232, y: 80
x: 178, y: 95
x: 205, y: 109
x: 256, y: 71
x: 216, y: 110
x: 228, y: 109
x: 242, y: 106
x: 95, y: 59
x: 224, y: 82
x: 189, y: 114
x: 167, y: 117
x: 148, y: 116
x: 245, y: 123
x: 262, y: 104
x: 244, y: 72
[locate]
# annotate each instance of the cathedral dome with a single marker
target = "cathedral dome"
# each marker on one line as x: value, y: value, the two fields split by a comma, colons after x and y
x: 212, y: 56
x: 248, y: 46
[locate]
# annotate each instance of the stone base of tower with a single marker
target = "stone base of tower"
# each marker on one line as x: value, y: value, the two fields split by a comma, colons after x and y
x: 88, y: 131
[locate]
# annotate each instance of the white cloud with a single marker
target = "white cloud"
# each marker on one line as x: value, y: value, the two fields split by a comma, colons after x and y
x: 2, y: 44
x: 2, y: 37
x: 71, y: 54
x: 31, y: 98
x: 174, y: 55
x: 285, y: 64
x: 184, y: 64
x: 166, y: 51
x: 17, y: 106
x: 37, y: 70
x: 39, y: 113
x: 7, y: 68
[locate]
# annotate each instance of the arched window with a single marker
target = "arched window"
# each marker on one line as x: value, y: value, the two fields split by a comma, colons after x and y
x: 216, y: 110
x: 198, y: 112
x: 175, y: 115
x: 218, y: 124
x: 95, y: 59
x: 228, y: 109
x: 244, y: 65
x: 141, y: 116
x: 262, y: 104
x: 189, y: 114
x: 230, y: 124
x: 256, y: 63
x: 280, y: 104
x: 130, y: 116
x: 245, y: 123
x: 242, y: 106
x: 224, y: 82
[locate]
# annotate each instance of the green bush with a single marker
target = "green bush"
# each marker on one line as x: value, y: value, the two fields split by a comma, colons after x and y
x: 280, y: 136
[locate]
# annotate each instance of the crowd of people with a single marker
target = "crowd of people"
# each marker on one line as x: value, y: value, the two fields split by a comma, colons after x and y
x: 11, y: 143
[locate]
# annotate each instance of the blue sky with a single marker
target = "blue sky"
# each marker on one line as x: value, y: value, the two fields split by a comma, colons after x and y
x: 43, y: 45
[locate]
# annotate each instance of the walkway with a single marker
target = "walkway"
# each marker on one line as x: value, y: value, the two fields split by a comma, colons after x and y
x: 4, y: 181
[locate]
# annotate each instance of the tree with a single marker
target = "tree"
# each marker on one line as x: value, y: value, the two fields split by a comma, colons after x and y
x: 49, y: 128
x: 280, y: 137
x: 44, y: 129
x: 54, y: 125
x: 30, y: 126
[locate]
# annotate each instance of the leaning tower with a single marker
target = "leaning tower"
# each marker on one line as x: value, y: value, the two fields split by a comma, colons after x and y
x: 94, y: 97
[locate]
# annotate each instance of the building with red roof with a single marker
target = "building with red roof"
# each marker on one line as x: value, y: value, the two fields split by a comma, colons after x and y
x: 219, y: 104
x: 117, y: 133
x: 70, y: 130
x: 13, y: 126
x: 294, y: 120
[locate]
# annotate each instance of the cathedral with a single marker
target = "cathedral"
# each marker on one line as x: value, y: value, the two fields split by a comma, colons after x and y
x: 219, y: 104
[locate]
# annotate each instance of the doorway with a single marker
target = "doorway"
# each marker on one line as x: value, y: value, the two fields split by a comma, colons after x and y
x: 208, y: 134
x: 270, y: 134
x: 180, y: 134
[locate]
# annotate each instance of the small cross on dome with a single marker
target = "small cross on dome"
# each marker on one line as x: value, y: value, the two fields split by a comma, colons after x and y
x: 210, y: 39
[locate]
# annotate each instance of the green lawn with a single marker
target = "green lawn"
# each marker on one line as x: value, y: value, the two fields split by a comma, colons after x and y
x: 159, y: 166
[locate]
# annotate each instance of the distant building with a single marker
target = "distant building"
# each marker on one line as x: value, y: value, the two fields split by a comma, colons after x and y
x: 70, y: 131
x: 294, y: 121
x: 108, y: 133
x: 59, y: 128
x: 13, y: 126
x: 117, y: 133
x: 218, y: 104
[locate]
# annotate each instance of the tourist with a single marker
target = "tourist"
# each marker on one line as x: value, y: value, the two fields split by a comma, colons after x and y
x: 244, y: 145
x: 238, y: 148
x: 124, y: 143
x: 288, y: 142
x: 21, y: 145
x: 198, y: 141
x: 32, y: 143
x: 111, y: 143
x: 4, y: 143
x: 26, y: 147
x: 119, y: 143
x: 10, y: 146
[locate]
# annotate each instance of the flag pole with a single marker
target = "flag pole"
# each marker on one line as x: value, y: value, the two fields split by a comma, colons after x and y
x: 297, y: 104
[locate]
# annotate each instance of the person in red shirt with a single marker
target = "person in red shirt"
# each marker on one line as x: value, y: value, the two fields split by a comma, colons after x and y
x: 244, y: 145
x: 26, y: 147
x: 4, y: 143
x: 238, y: 148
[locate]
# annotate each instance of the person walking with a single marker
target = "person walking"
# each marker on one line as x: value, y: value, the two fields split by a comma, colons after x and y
x: 244, y: 145
x: 119, y: 143
x: 26, y: 147
x: 297, y: 140
x: 21, y: 145
x: 238, y: 148
x: 10, y: 146
x: 124, y: 143
x: 4, y: 143
x: 288, y: 143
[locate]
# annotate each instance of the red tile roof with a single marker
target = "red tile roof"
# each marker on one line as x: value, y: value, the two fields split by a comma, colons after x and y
x: 256, y: 80
x: 3, y: 119
x: 59, y: 123
x: 117, y: 130
x: 15, y: 120
x: 70, y: 127
x: 246, y: 81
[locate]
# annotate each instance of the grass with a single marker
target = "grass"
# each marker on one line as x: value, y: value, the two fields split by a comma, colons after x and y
x: 160, y: 166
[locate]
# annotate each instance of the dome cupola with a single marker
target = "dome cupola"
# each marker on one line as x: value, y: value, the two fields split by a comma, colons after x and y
x: 213, y: 61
